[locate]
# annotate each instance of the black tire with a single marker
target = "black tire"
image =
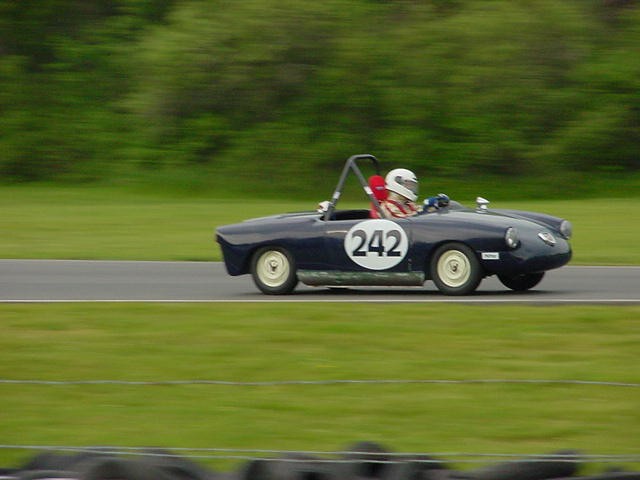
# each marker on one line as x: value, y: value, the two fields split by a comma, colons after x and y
x: 562, y: 465
x: 179, y: 467
x: 366, y: 460
x: 522, y: 282
x: 290, y: 467
x: 274, y: 271
x: 123, y: 469
x: 615, y: 476
x: 455, y: 269
x: 57, y: 461
x: 44, y: 474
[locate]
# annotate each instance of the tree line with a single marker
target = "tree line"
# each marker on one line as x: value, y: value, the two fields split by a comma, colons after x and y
x: 280, y: 90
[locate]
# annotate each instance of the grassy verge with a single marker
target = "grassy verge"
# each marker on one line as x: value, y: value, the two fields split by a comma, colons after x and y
x: 236, y: 342
x: 108, y: 223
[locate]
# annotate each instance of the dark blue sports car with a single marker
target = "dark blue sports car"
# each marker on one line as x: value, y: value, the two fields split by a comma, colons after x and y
x: 455, y: 247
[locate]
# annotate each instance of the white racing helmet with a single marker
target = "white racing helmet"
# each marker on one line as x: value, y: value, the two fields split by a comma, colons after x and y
x: 403, y: 182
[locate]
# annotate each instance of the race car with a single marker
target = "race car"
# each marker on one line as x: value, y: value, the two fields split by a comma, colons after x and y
x: 455, y: 247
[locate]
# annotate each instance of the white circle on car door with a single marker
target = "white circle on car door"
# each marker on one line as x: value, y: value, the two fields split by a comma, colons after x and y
x: 376, y: 244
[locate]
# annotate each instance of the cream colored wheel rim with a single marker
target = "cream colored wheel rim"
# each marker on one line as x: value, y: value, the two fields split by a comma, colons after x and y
x: 273, y: 268
x: 454, y: 268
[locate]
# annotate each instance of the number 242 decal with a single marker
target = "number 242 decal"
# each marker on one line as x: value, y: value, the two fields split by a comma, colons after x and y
x: 376, y: 244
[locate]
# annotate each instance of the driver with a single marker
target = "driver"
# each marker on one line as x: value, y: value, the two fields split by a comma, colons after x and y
x: 402, y: 185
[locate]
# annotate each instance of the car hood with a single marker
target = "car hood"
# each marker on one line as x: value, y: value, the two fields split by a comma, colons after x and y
x: 490, y: 220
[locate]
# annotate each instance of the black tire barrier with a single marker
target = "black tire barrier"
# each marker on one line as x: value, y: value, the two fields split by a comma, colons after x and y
x: 179, y: 467
x: 416, y: 467
x: 60, y: 462
x: 608, y: 476
x: 226, y: 476
x: 49, y: 461
x: 427, y: 462
x: 122, y: 469
x: 558, y: 465
x: 291, y: 467
x: 362, y: 461
x: 367, y: 460
x: 43, y: 461
x: 45, y: 474
x: 414, y: 470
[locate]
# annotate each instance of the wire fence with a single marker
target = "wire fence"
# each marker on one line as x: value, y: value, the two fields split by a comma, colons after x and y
x: 340, y: 456
x: 283, y: 383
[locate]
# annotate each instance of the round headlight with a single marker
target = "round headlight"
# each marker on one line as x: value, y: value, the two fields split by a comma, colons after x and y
x: 566, y: 229
x: 511, y: 238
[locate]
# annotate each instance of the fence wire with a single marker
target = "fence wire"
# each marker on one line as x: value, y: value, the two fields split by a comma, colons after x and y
x: 279, y: 383
x: 296, y: 456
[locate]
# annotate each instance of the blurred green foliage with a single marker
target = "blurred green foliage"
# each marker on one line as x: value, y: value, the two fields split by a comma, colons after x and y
x: 272, y: 95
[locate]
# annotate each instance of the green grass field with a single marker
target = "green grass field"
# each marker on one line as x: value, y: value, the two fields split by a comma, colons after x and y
x: 107, y: 223
x: 244, y: 343
x: 237, y: 342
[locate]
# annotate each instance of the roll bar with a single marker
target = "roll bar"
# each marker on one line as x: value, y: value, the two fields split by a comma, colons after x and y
x: 352, y: 164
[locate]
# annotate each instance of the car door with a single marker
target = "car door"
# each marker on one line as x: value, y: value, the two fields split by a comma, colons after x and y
x: 361, y: 245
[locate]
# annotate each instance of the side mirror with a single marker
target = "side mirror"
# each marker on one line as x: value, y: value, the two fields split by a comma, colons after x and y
x: 482, y: 204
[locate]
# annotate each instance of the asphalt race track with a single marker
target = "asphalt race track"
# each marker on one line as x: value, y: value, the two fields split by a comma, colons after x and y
x: 122, y: 281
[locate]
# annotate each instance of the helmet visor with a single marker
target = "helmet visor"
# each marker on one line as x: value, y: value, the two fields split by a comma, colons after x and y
x: 411, y: 185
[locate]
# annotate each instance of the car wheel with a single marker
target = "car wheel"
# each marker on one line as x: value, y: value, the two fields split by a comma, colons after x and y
x: 522, y: 282
x: 273, y: 271
x: 455, y: 269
